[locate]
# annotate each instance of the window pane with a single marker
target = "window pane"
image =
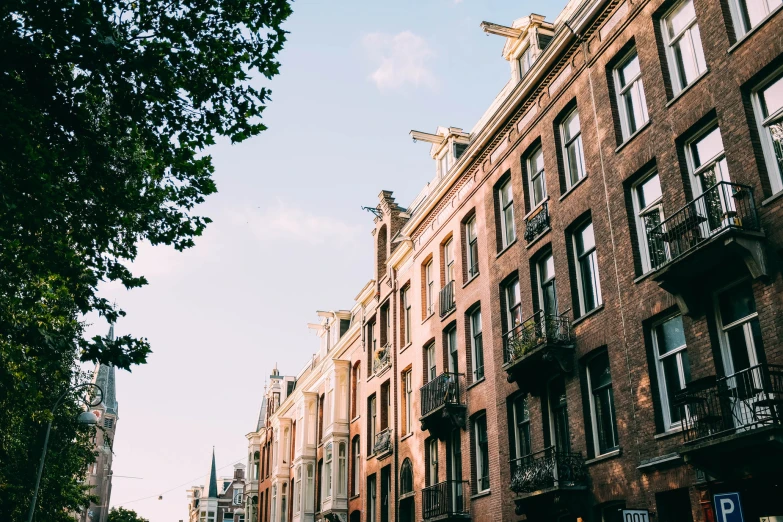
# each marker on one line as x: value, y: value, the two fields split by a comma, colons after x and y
x: 599, y: 372
x: 537, y: 161
x: 736, y: 303
x: 707, y: 148
x: 772, y: 97
x: 571, y: 126
x: 671, y: 377
x: 585, y: 240
x: 629, y: 70
x: 604, y: 413
x: 574, y: 154
x: 680, y: 18
x: 505, y: 193
x: 649, y: 191
x: 509, y: 222
x: 547, y: 267
x: 539, y: 189
x: 589, y: 281
x: 671, y: 335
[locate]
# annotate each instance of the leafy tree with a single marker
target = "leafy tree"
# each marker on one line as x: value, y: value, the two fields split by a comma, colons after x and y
x: 106, y: 108
x: 124, y: 515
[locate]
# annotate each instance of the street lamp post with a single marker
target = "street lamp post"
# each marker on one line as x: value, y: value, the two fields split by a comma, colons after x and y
x: 85, y: 417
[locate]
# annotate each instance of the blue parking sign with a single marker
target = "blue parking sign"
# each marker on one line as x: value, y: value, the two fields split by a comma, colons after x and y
x: 728, y: 507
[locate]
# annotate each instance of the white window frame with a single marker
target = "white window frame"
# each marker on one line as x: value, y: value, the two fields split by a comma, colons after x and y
x: 432, y: 365
x: 507, y: 207
x: 342, y: 469
x: 475, y: 332
x: 444, y: 163
x: 663, y: 390
x: 517, y: 422
x: 525, y: 61
x: 578, y: 265
x: 692, y: 33
x: 593, y: 409
x: 407, y: 382
x: 774, y: 169
x: 372, y: 496
x: 509, y: 291
x: 471, y: 239
x: 744, y: 323
x: 433, y: 461
x: 743, y: 27
x: 406, y: 307
x: 328, y: 457
x: 357, y: 463
x: 576, y: 141
x: 532, y: 176
x: 373, y: 420
x: 273, y: 514
x: 310, y: 493
x: 479, y: 453
x: 540, y: 279
x: 707, y: 165
x: 448, y: 260
x: 297, y: 491
x: 429, y: 288
x: 622, y: 89
x: 639, y: 215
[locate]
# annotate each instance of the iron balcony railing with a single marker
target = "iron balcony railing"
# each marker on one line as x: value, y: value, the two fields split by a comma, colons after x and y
x: 537, y: 330
x: 749, y: 399
x: 537, y: 223
x: 382, y: 359
x: 548, y: 469
x: 442, y: 390
x: 447, y: 299
x: 383, y: 442
x: 446, y: 499
x: 723, y: 206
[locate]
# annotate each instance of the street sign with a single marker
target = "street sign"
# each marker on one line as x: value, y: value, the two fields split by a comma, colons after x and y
x: 636, y: 515
x: 728, y: 507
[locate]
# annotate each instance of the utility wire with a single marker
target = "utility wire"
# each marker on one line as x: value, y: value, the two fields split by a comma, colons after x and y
x: 177, y: 487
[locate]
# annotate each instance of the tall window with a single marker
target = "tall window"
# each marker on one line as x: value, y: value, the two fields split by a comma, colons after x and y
x: 372, y: 346
x: 274, y: 503
x: 631, y: 101
x: 573, y: 153
x: 588, y: 281
x: 476, y: 345
x: 372, y: 493
x: 525, y: 62
x: 481, y: 452
x: 707, y: 159
x: 448, y: 260
x: 432, y: 371
x: 357, y: 385
x: 407, y: 401
x: 372, y: 422
x: 357, y: 463
x: 768, y: 105
x: 547, y: 292
x: 406, y: 315
x: 739, y: 330
x: 429, y: 289
x: 472, y: 243
x: 683, y: 45
x: 297, y: 491
x: 672, y: 366
x: 444, y: 164
x: 406, y: 477
x: 342, y: 471
x: 604, y: 422
x: 508, y: 229
x: 327, y: 478
x: 432, y: 464
x: 520, y: 416
x: 310, y: 488
x: 513, y: 304
x: 648, y: 208
x: 747, y: 14
x: 536, y: 177
x: 451, y: 349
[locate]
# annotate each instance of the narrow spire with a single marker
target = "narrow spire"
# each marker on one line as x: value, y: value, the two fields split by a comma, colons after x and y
x: 104, y: 376
x: 212, y: 488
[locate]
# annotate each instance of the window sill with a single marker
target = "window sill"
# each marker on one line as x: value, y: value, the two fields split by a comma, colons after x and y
x: 644, y: 276
x: 428, y: 318
x: 750, y: 33
x: 476, y: 383
x: 535, y: 208
x: 471, y: 280
x: 633, y: 136
x: 666, y: 434
x: 448, y: 314
x: 406, y: 347
x: 538, y: 238
x: 772, y: 198
x: 588, y: 314
x: 606, y: 456
x: 573, y: 187
x: 356, y: 419
x: 505, y: 249
x: 406, y: 436
x: 481, y: 494
x: 686, y: 89
x: 354, y: 497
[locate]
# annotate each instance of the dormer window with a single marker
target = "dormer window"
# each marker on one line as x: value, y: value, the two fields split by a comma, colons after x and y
x: 444, y: 164
x: 525, y: 61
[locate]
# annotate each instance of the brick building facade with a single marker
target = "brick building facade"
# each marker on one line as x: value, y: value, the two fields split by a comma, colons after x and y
x: 581, y: 314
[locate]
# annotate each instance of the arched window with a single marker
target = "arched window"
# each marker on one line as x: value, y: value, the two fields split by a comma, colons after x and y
x: 382, y: 249
x: 406, y: 477
x: 256, y: 464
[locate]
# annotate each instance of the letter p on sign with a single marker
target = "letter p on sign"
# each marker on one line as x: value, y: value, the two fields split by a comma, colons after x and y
x: 728, y: 507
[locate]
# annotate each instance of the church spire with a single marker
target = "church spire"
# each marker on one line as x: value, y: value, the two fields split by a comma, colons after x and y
x: 104, y: 376
x: 212, y: 486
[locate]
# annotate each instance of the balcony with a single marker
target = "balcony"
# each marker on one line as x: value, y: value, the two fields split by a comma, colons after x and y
x: 541, y: 345
x: 537, y: 222
x: 446, y: 300
x: 447, y: 500
x: 384, y: 444
x: 547, y: 476
x: 381, y: 360
x: 443, y: 404
x: 734, y: 425
x: 718, y: 230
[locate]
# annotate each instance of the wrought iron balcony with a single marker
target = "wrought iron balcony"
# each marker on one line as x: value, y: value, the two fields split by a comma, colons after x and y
x: 447, y: 299
x: 537, y: 222
x: 443, y: 399
x: 716, y: 231
x: 448, y: 499
x: 382, y: 359
x: 383, y: 443
x: 735, y: 420
x: 530, y: 348
x: 547, y: 471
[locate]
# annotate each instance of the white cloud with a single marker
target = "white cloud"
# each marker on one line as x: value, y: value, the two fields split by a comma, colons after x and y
x: 282, y: 222
x: 401, y: 59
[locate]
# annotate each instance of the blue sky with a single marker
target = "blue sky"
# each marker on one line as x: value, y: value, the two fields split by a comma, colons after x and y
x: 289, y: 236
